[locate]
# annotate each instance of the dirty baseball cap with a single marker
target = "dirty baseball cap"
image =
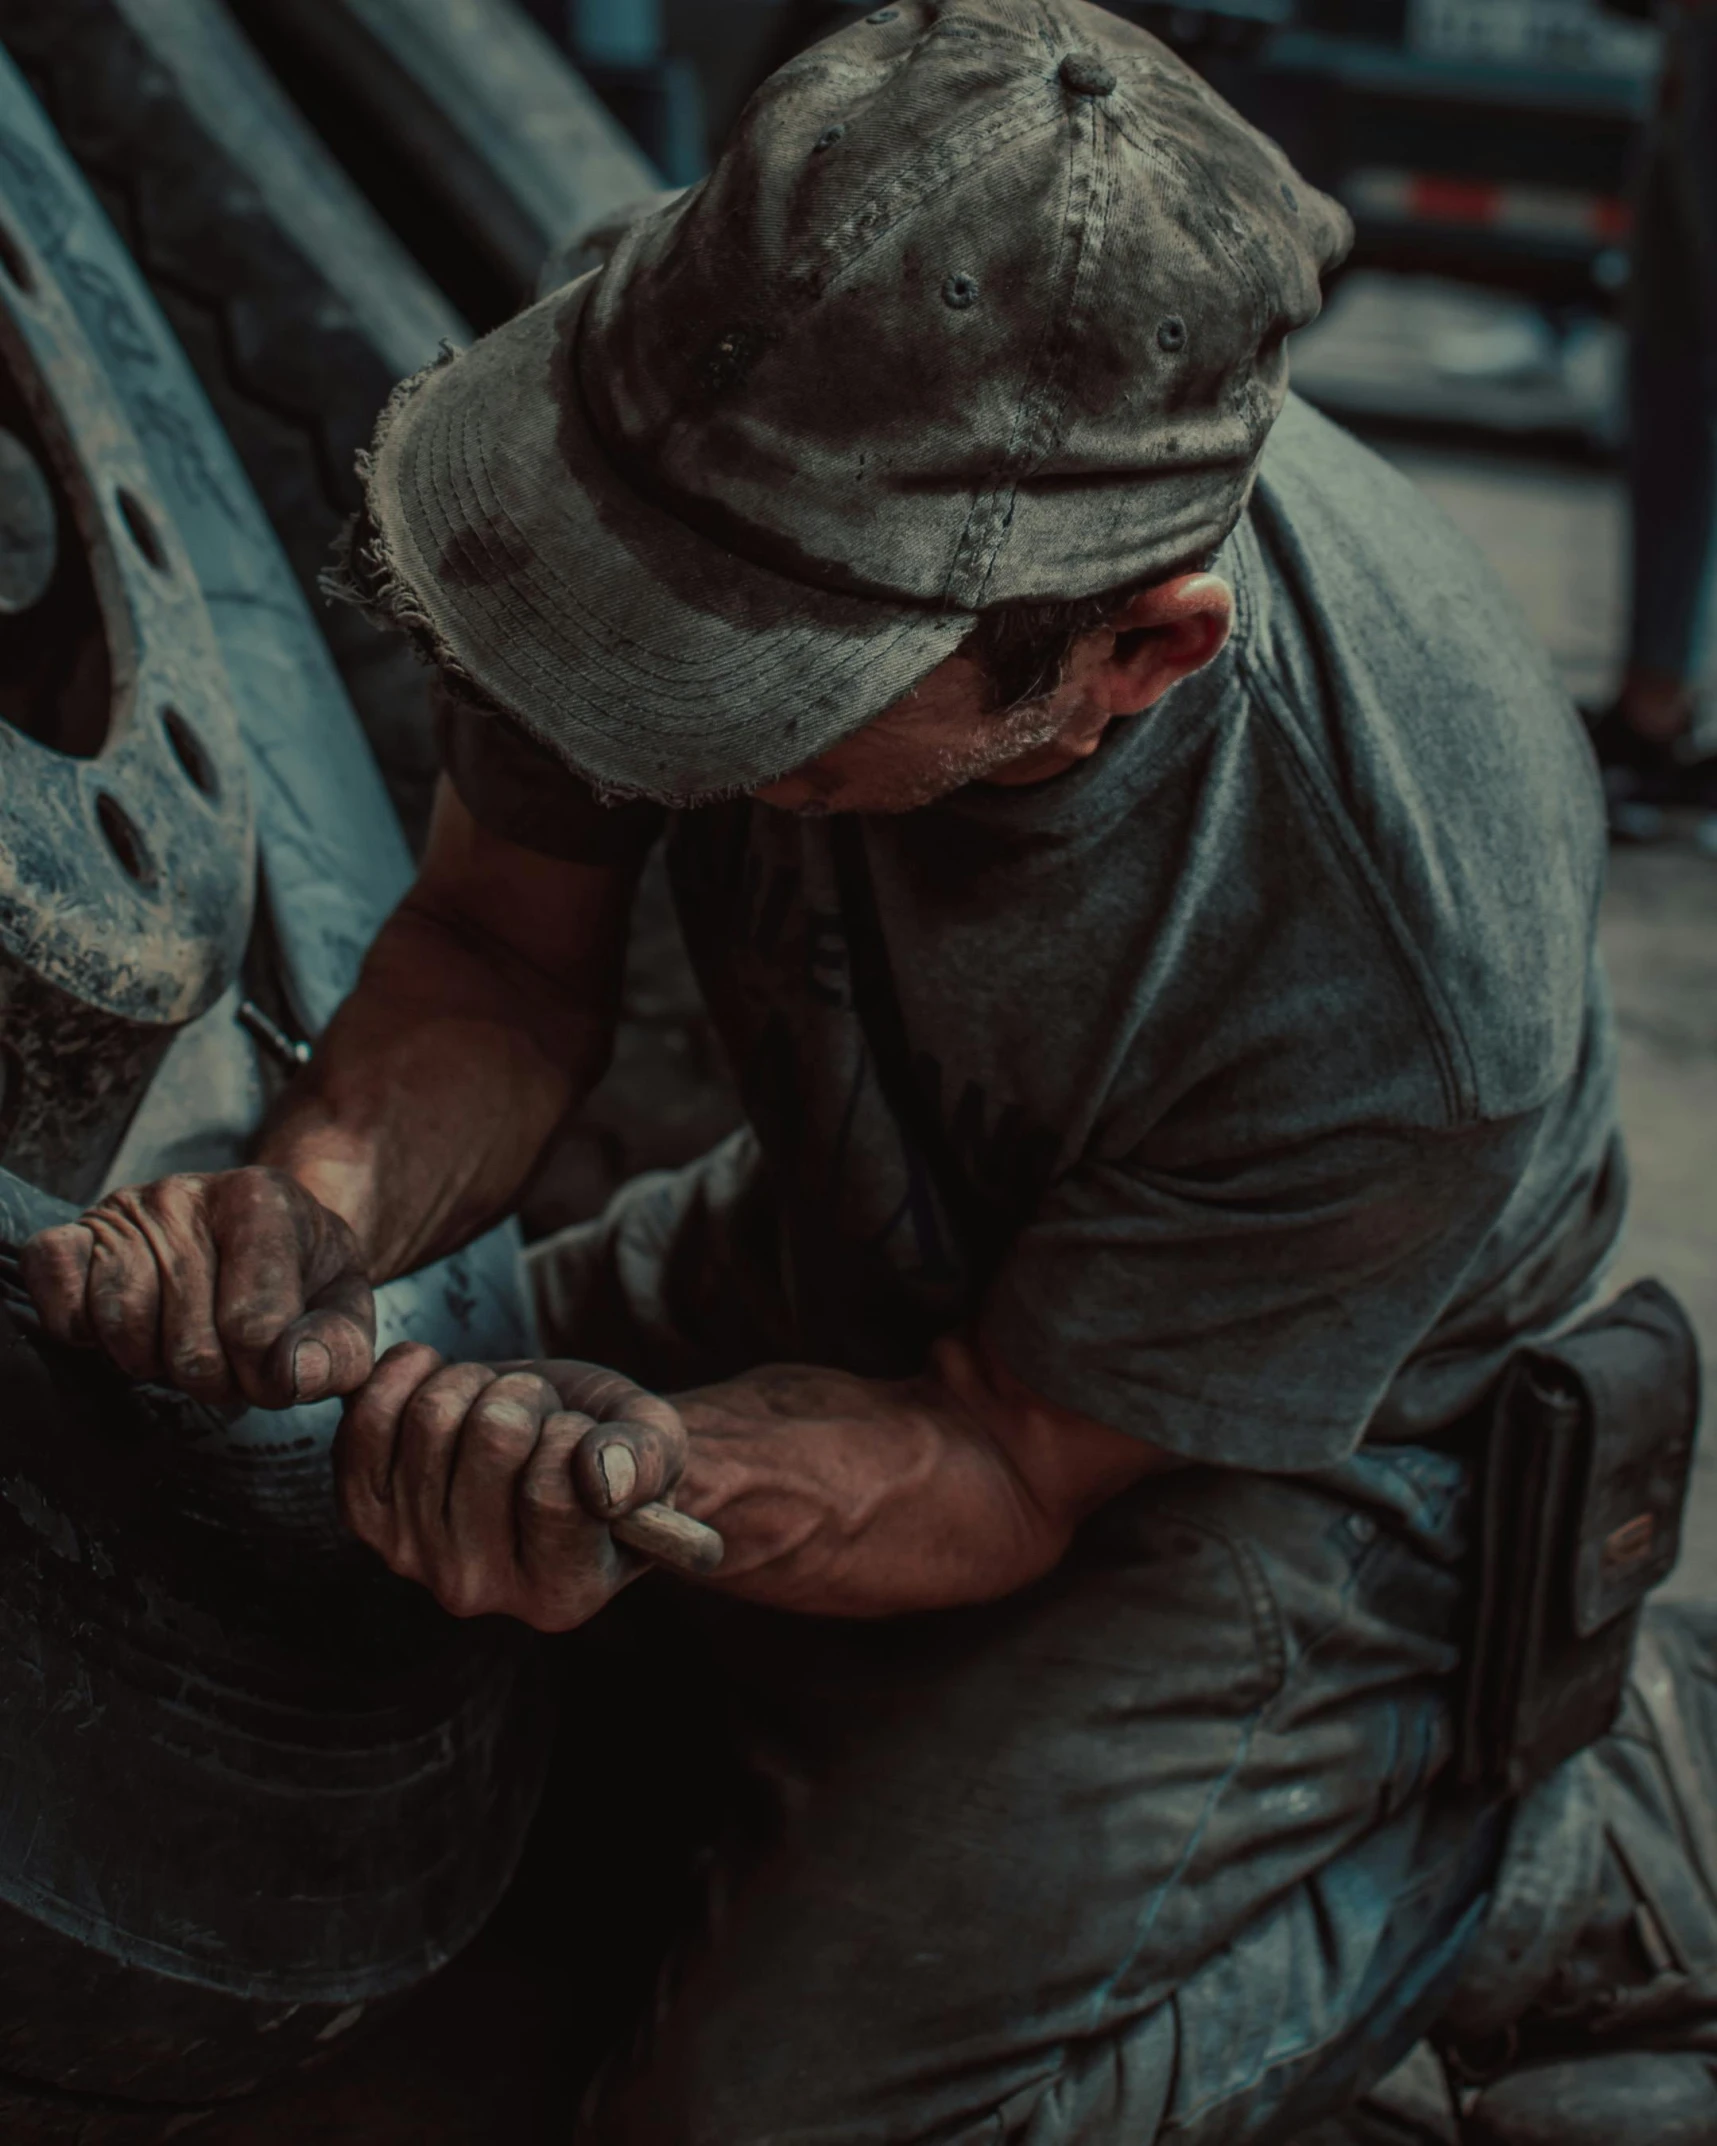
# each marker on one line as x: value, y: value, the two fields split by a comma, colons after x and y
x: 985, y: 300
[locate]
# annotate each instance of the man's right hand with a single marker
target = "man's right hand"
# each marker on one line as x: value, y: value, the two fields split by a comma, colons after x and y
x: 233, y: 1287
x: 484, y: 1011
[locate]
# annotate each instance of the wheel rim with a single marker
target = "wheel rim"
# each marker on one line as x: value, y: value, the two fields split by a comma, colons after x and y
x: 127, y: 845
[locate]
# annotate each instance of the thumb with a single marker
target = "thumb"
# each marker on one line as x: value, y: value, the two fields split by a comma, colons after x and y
x: 616, y: 1467
x: 331, y: 1348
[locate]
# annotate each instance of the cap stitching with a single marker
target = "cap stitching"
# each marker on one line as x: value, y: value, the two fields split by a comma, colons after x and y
x: 931, y: 176
x: 1091, y: 181
x: 1100, y: 186
x: 992, y: 127
x: 630, y: 681
x: 674, y: 498
x: 1219, y: 230
x: 617, y: 465
x: 606, y: 652
x: 928, y: 177
x: 981, y: 530
x: 1220, y: 238
x: 599, y: 651
x: 1053, y: 27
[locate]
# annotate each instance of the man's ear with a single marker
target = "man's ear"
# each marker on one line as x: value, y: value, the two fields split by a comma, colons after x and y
x: 1163, y: 635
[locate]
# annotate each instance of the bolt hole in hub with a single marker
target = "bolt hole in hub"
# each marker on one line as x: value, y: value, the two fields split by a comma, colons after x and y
x: 13, y: 264
x: 29, y: 532
x: 56, y: 681
x: 143, y: 531
x: 124, y: 840
x: 188, y: 751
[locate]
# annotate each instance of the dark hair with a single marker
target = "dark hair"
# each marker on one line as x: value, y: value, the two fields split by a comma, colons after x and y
x: 1024, y: 646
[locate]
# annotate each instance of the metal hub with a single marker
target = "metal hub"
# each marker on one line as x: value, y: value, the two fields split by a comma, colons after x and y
x: 29, y: 531
x: 127, y: 854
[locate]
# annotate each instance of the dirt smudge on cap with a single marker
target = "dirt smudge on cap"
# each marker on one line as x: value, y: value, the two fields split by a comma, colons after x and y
x: 482, y: 554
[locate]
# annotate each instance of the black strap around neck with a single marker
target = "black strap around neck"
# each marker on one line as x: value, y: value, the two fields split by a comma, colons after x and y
x: 877, y: 1004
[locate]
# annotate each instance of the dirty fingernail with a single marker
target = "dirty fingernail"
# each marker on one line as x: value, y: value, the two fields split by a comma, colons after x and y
x: 619, y: 1471
x: 311, y: 1366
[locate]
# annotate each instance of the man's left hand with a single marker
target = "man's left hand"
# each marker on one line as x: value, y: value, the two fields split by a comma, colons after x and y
x: 493, y: 1485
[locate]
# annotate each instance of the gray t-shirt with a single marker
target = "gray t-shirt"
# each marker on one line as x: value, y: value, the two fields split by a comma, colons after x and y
x: 1268, y: 1065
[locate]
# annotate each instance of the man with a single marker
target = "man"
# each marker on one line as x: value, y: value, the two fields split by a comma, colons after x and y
x: 1146, y: 881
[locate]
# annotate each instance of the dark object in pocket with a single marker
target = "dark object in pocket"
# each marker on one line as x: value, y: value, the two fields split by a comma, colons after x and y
x: 1583, y: 1483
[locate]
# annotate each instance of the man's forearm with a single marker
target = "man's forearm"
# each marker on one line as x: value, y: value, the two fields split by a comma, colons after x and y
x: 497, y: 1486
x: 435, y: 1088
x: 850, y: 1497
x: 484, y: 1011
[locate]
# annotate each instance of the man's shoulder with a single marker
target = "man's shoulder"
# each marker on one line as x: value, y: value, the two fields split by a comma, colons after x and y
x: 1429, y: 731
x: 1395, y: 581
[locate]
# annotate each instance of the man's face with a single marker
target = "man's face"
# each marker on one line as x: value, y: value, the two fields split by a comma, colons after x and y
x: 935, y: 739
x: 945, y: 733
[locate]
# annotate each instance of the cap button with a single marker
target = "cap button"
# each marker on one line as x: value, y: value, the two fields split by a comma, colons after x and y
x: 1087, y: 75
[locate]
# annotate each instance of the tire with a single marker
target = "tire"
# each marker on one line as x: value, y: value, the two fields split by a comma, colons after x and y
x: 300, y: 309
x: 126, y: 828
x: 201, y: 1679
x: 464, y: 125
x: 296, y: 305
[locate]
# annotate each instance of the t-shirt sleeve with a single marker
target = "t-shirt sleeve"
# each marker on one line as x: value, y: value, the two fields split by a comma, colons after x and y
x: 515, y: 788
x: 1253, y: 1317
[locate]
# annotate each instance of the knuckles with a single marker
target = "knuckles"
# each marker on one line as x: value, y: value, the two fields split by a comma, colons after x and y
x: 528, y: 1390
x: 199, y: 1370
x: 501, y: 1429
x: 169, y: 1207
x: 435, y: 1411
x: 145, y: 1257
x: 538, y: 1555
x: 547, y: 1504
x: 251, y: 1329
x: 248, y: 1192
x: 396, y: 1374
x: 465, y: 1591
x: 121, y: 1213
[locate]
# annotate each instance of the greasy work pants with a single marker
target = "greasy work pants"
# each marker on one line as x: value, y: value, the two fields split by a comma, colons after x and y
x: 1164, y: 1846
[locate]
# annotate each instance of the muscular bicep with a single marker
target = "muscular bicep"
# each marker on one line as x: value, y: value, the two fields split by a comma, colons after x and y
x: 1066, y: 1463
x: 526, y: 861
x: 556, y: 920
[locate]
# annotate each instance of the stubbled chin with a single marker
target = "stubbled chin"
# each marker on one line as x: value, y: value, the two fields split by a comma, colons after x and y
x: 906, y: 793
x: 916, y: 778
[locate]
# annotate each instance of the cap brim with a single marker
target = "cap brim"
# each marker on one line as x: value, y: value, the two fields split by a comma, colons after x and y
x: 648, y: 657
